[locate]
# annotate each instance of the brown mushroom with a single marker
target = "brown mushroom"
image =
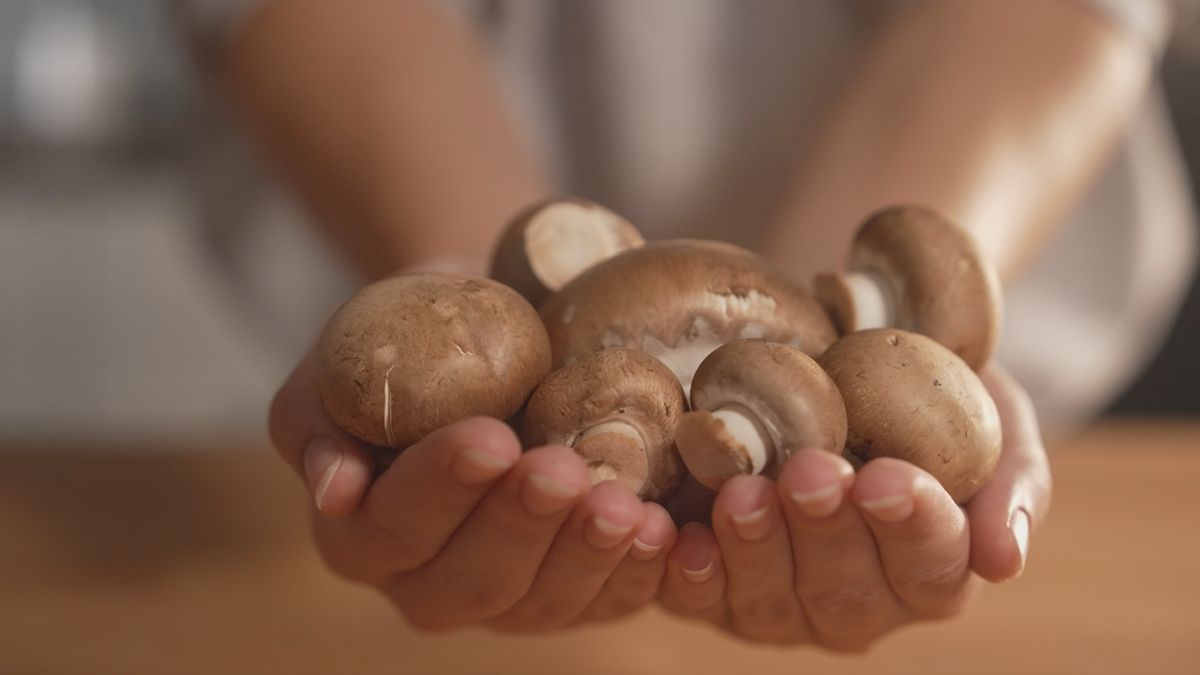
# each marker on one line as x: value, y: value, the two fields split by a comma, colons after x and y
x: 415, y: 352
x: 754, y: 403
x: 910, y: 398
x: 912, y: 269
x: 618, y: 408
x: 550, y: 243
x: 680, y: 300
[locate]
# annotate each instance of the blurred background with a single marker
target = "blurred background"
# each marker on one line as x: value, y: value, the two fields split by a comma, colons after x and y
x: 151, y: 291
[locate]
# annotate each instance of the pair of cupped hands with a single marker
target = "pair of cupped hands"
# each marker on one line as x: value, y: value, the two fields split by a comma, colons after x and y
x: 467, y: 528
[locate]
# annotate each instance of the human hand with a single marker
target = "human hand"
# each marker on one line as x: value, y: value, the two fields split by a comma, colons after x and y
x: 838, y: 559
x: 462, y: 528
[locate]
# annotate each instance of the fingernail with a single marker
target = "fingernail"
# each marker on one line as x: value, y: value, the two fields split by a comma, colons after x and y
x: 891, y: 509
x: 1019, y: 525
x: 474, y: 466
x: 698, y: 576
x: 322, y: 459
x: 818, y: 503
x: 604, y: 533
x: 752, y: 526
x: 643, y: 551
x: 543, y: 495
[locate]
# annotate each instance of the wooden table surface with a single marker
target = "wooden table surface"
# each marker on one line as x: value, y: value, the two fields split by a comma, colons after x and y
x: 199, y: 562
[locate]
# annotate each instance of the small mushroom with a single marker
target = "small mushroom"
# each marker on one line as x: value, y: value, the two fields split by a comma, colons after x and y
x: 550, y: 243
x: 618, y: 408
x: 910, y: 398
x: 910, y: 268
x: 678, y: 301
x: 755, y: 403
x: 410, y: 354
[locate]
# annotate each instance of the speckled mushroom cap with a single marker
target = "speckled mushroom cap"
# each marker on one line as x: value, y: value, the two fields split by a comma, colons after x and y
x: 678, y: 300
x: 798, y: 405
x: 940, y: 283
x: 551, y: 242
x: 910, y: 398
x: 578, y: 404
x: 413, y: 353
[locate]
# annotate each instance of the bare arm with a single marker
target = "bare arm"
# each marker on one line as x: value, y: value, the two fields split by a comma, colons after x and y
x: 996, y: 112
x: 382, y: 115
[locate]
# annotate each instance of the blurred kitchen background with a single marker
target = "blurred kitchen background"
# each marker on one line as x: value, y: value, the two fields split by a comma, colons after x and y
x: 151, y: 294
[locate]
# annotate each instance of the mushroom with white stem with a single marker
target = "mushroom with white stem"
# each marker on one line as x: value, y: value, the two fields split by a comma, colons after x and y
x: 550, y: 243
x: 410, y: 354
x: 910, y: 398
x: 678, y: 301
x: 910, y: 268
x: 755, y: 403
x: 618, y: 409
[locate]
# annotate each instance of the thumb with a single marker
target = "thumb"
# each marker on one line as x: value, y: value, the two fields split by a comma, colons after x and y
x: 336, y: 467
x: 1007, y: 510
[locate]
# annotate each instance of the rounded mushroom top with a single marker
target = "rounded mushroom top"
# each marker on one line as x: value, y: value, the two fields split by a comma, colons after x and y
x: 942, y: 285
x: 415, y: 352
x: 622, y: 386
x: 551, y: 242
x: 678, y: 301
x: 797, y: 402
x: 910, y: 398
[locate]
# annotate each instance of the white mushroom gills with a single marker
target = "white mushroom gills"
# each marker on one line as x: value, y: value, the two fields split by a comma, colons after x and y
x: 747, y: 428
x: 566, y: 238
x: 874, y: 306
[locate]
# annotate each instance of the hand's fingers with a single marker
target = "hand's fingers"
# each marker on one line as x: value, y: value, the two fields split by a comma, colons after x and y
x: 839, y: 578
x: 694, y: 585
x: 1010, y: 506
x: 415, y: 506
x: 492, y: 559
x: 636, y: 580
x: 336, y: 466
x: 588, y: 548
x: 921, y: 535
x: 757, y: 551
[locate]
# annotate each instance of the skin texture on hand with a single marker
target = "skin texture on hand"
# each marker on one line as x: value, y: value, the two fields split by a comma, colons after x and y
x: 829, y: 557
x: 465, y: 529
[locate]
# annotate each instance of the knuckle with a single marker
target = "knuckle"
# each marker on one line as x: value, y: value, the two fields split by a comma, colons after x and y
x: 844, y: 601
x: 768, y: 610
x: 936, y: 583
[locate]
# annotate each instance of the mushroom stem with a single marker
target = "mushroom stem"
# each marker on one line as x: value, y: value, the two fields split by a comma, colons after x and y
x: 874, y: 306
x: 747, y: 429
x: 614, y: 450
x: 613, y: 427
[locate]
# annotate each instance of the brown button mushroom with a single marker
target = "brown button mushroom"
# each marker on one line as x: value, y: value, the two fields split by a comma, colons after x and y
x: 912, y: 269
x: 618, y: 408
x: 550, y: 243
x: 680, y: 300
x: 910, y: 398
x: 755, y: 403
x: 410, y: 354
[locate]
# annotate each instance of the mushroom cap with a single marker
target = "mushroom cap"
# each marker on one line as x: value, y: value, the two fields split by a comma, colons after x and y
x: 412, y: 353
x: 551, y: 242
x: 941, y: 284
x: 910, y: 398
x: 665, y: 294
x: 613, y: 385
x: 797, y: 403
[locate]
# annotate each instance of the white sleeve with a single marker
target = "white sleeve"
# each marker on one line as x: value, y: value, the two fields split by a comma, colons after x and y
x: 1152, y: 21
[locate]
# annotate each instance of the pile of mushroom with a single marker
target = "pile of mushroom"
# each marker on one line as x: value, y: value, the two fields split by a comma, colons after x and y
x: 684, y: 357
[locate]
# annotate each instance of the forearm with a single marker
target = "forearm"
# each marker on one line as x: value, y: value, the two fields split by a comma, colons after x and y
x: 382, y: 115
x: 998, y: 113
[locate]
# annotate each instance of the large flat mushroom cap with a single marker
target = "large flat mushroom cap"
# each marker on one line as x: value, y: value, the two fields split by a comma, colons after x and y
x: 910, y: 398
x: 798, y: 403
x: 415, y: 352
x: 946, y: 288
x: 613, y: 385
x: 678, y: 300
